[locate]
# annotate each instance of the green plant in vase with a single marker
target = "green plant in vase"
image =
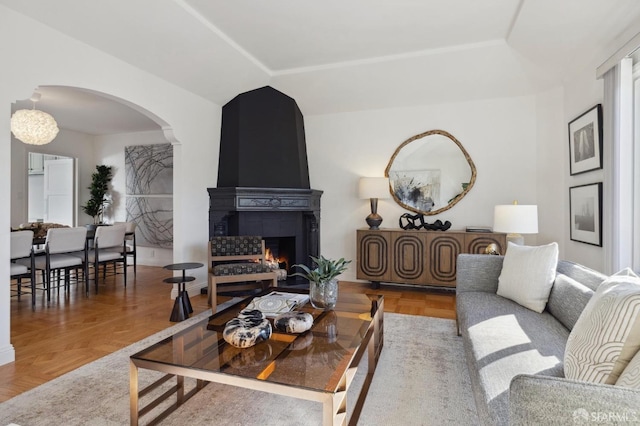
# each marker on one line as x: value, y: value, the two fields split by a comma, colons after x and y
x: 99, y: 188
x: 323, y: 280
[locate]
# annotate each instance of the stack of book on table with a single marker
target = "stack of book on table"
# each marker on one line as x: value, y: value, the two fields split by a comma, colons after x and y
x: 278, y: 302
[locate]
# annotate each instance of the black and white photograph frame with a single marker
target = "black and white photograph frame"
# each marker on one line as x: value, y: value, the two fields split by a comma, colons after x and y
x: 585, y: 141
x: 585, y: 211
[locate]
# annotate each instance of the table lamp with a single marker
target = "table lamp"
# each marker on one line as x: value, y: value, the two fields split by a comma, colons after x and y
x: 374, y: 188
x: 515, y: 219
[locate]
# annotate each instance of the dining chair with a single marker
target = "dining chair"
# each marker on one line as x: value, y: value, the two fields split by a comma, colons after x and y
x: 65, y: 249
x: 108, y: 247
x: 22, y: 249
x: 238, y: 263
x: 130, y: 240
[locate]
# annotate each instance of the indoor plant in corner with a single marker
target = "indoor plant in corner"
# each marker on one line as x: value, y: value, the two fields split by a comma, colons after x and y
x: 323, y: 280
x: 99, y: 187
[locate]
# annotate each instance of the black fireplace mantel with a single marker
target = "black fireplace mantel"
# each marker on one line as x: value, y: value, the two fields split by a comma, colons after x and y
x: 261, y: 199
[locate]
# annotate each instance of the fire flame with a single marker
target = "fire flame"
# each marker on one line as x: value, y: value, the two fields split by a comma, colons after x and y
x: 275, y: 262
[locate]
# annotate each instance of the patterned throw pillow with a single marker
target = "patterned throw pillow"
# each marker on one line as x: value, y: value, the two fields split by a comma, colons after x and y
x: 630, y: 377
x: 527, y: 274
x: 607, y: 334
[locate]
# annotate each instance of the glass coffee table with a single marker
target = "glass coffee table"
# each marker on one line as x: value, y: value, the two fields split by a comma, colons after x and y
x: 317, y: 365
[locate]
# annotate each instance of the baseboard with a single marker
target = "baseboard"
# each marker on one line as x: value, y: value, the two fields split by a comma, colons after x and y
x: 7, y: 354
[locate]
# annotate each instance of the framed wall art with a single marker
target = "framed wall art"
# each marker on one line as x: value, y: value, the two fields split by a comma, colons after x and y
x: 417, y: 189
x: 585, y: 141
x: 149, y: 185
x: 585, y: 211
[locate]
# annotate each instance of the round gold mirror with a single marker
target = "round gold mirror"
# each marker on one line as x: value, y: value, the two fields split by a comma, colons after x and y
x: 430, y: 172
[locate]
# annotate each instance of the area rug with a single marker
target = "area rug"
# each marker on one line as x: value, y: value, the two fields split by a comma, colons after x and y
x: 421, y: 379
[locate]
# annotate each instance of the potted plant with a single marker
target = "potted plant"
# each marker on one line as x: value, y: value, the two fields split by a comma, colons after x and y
x: 323, y: 281
x: 99, y: 188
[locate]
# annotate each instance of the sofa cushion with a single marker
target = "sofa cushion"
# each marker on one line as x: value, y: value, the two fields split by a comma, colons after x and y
x: 630, y: 377
x: 585, y: 276
x: 607, y: 334
x: 503, y: 339
x: 527, y: 274
x: 567, y: 300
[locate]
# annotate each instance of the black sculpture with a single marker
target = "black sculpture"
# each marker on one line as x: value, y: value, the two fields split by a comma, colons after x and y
x: 408, y: 221
x: 437, y: 226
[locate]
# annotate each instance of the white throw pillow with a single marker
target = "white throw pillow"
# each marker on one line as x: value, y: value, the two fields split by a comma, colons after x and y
x: 527, y: 274
x: 607, y: 333
x: 630, y: 377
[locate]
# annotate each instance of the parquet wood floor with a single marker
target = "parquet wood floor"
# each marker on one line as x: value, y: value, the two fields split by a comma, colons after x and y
x: 74, y: 330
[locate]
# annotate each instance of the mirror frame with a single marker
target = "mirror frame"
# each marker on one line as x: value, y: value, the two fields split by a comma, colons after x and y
x: 458, y: 197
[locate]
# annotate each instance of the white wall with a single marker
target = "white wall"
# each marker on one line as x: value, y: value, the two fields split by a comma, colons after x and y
x: 192, y: 122
x: 499, y: 134
x: 552, y: 154
x: 555, y: 109
x: 109, y: 150
x: 519, y: 145
x: 580, y: 95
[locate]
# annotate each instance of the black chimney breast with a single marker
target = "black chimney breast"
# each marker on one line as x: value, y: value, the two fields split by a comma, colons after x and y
x: 262, y: 143
x: 263, y: 176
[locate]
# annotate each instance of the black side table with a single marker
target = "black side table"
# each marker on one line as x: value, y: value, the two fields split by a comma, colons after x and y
x: 182, y: 305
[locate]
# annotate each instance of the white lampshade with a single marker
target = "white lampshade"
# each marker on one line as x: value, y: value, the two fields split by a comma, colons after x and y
x: 516, y: 219
x: 33, y: 126
x: 374, y: 187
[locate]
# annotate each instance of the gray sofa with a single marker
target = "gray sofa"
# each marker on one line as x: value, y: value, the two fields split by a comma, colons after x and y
x: 515, y: 354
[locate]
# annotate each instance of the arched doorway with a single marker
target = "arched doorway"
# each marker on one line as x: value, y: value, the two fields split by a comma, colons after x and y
x: 97, y: 128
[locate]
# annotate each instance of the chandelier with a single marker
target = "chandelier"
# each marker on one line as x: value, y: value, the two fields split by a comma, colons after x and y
x: 33, y: 126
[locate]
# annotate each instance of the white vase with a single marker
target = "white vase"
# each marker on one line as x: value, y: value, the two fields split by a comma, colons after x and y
x: 324, y: 295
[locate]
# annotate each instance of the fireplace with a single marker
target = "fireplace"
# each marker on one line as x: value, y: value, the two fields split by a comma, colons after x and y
x: 281, y: 252
x: 263, y: 176
x: 273, y: 213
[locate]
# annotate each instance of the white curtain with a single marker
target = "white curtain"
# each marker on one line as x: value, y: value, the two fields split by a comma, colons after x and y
x: 618, y: 199
x: 636, y: 170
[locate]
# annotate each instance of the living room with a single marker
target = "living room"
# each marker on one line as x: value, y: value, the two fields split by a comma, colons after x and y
x: 512, y: 120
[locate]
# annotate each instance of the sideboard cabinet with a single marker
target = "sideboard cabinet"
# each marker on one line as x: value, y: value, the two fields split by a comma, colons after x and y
x: 416, y: 256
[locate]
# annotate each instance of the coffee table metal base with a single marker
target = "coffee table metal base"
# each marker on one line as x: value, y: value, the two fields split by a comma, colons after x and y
x: 334, y: 411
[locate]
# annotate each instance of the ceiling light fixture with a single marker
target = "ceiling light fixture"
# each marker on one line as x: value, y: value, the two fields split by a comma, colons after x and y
x: 33, y: 126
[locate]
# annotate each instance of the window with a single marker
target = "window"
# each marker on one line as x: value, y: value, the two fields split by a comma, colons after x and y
x: 635, y: 153
x: 622, y: 165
